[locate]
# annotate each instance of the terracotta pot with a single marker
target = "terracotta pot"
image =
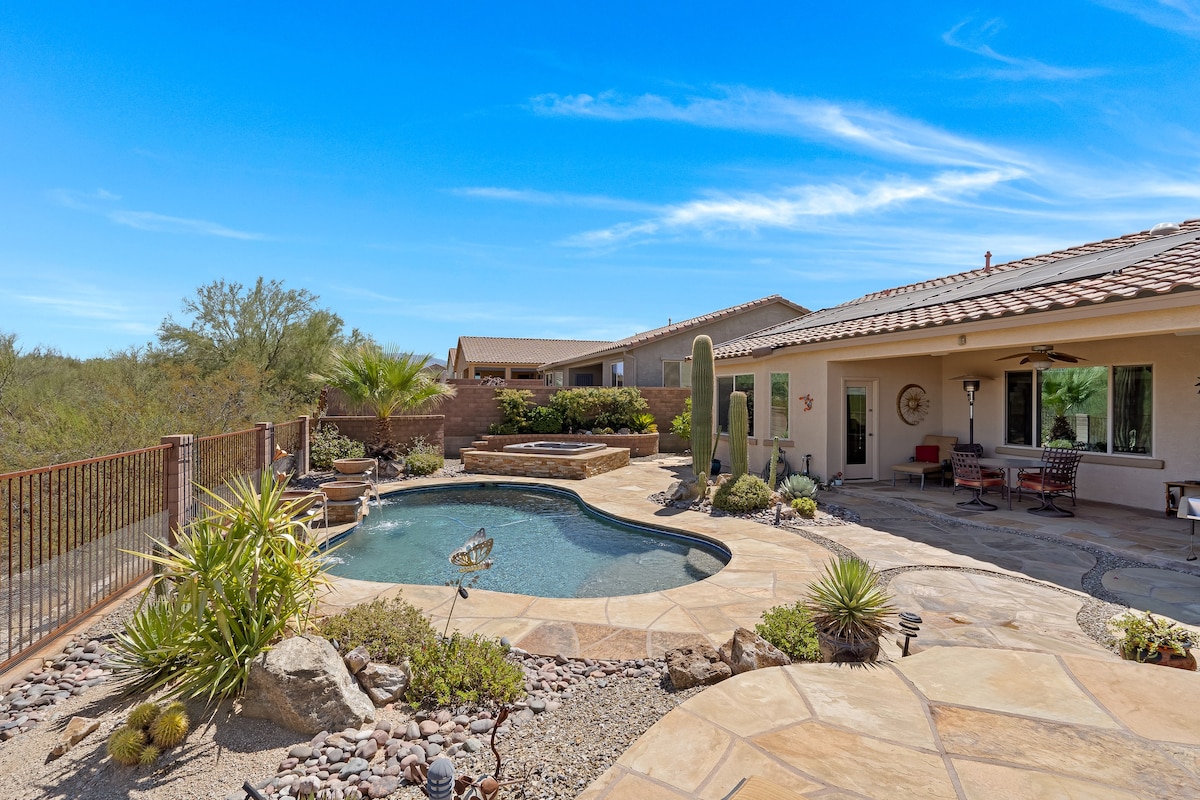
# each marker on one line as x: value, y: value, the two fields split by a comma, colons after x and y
x: 345, y: 490
x: 1165, y: 657
x: 353, y: 466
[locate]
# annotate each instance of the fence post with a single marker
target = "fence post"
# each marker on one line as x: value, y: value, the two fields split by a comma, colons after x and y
x: 302, y: 448
x: 177, y: 473
x: 265, y: 449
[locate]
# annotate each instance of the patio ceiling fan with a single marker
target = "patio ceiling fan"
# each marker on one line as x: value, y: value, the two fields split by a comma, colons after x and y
x: 1043, y: 356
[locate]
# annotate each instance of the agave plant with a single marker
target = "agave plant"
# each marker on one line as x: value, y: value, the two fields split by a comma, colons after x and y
x: 234, y: 581
x: 849, y: 610
x: 793, y: 487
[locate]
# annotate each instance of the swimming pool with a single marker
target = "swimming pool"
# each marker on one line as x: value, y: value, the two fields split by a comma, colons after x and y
x: 547, y: 544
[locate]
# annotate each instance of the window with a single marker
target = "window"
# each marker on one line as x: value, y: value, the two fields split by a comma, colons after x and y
x: 726, y: 387
x: 554, y: 378
x: 779, y: 404
x: 1101, y: 409
x: 618, y: 373
x: 677, y: 373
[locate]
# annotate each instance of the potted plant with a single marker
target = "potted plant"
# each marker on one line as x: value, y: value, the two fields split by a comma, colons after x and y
x: 849, y: 611
x: 1153, y: 640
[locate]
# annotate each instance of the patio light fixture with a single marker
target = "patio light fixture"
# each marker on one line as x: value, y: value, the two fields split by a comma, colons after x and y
x: 910, y: 624
x: 971, y: 386
x: 1040, y: 363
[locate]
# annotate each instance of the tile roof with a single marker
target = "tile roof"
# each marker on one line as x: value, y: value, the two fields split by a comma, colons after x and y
x: 505, y: 350
x: 677, y: 327
x: 1137, y: 265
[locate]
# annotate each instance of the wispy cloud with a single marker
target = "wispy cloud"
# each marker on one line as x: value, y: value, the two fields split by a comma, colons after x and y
x: 100, y: 201
x: 1180, y: 16
x: 798, y: 207
x: 553, y: 198
x: 973, y: 38
x: 740, y: 108
x: 77, y: 307
x: 150, y: 221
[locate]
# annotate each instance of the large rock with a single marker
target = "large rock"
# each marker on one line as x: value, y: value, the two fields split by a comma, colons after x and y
x: 696, y: 665
x: 747, y: 650
x: 683, y: 491
x: 303, y: 685
x: 73, y: 734
x: 385, y: 683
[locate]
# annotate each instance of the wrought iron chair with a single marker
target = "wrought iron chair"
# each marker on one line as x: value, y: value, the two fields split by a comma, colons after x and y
x: 968, y: 473
x: 1056, y: 477
x: 977, y: 449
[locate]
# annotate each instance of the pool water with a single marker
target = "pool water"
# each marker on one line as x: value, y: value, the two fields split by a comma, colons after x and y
x: 547, y: 544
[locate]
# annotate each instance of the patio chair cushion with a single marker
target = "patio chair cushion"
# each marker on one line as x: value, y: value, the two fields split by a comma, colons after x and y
x: 944, y: 445
x: 928, y: 452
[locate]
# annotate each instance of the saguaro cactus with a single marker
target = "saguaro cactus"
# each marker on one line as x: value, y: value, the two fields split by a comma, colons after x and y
x: 702, y: 405
x: 739, y: 435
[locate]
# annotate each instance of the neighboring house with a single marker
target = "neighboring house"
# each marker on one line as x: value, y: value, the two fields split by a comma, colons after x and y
x: 478, y: 357
x: 656, y: 357
x: 831, y: 383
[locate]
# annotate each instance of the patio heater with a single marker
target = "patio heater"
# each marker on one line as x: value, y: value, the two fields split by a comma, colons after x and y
x: 971, y: 386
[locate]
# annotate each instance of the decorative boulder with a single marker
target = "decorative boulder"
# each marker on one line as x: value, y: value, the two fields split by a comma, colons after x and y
x: 683, y: 491
x: 385, y: 683
x: 303, y: 685
x: 73, y: 734
x: 356, y: 659
x: 747, y: 650
x: 696, y: 665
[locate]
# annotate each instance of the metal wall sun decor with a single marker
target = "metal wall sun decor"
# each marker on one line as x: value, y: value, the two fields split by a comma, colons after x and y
x: 912, y: 404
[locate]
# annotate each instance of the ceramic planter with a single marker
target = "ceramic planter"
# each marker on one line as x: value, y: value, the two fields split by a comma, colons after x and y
x: 836, y: 650
x: 1163, y: 657
x: 353, y: 466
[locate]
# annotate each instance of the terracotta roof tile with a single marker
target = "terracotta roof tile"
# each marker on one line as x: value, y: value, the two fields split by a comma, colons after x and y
x: 505, y: 350
x: 1172, y: 270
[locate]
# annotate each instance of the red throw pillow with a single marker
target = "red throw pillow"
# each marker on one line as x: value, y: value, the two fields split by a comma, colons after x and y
x: 928, y: 452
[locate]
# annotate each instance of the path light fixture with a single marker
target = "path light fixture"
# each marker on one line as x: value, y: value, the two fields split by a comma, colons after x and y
x: 971, y: 385
x: 910, y: 623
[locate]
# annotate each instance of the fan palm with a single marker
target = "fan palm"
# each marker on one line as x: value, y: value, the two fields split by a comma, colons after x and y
x: 385, y: 380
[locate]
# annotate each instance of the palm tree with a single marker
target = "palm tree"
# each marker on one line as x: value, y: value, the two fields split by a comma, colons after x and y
x: 386, y: 380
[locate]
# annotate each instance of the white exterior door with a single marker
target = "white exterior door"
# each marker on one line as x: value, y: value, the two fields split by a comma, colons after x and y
x: 858, y: 430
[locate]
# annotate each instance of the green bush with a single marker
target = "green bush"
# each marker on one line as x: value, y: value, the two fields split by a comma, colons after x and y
x: 747, y: 493
x: 805, y: 507
x: 234, y: 582
x: 464, y: 669
x: 643, y: 423
x: 544, y: 419
x: 391, y: 630
x: 515, y: 406
x: 681, y: 425
x: 423, y: 458
x: 587, y: 409
x: 790, y: 628
x: 502, y: 429
x: 327, y: 444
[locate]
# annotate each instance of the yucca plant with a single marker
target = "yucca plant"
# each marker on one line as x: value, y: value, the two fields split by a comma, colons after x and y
x: 849, y: 610
x: 234, y: 582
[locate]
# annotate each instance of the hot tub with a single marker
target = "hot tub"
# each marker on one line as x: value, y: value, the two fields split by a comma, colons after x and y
x: 555, y: 448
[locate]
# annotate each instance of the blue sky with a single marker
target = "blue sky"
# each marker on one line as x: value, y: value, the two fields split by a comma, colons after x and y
x: 567, y: 170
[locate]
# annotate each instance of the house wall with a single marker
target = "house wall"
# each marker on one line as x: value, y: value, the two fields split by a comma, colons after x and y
x: 1133, y: 332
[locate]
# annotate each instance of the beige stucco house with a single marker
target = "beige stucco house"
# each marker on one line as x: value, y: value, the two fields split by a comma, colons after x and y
x: 1128, y: 309
x: 511, y: 358
x: 658, y: 357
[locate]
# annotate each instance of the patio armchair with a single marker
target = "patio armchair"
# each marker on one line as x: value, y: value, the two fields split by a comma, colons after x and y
x: 927, y: 460
x: 977, y: 449
x: 968, y: 473
x: 1055, y: 477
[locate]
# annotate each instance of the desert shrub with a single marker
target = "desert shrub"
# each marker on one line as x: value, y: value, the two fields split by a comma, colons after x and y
x: 805, y: 507
x: 747, y: 493
x: 643, y: 423
x: 681, y: 425
x: 232, y: 584
x: 464, y: 669
x: 790, y: 628
x: 514, y: 405
x: 794, y: 487
x: 587, y: 409
x: 502, y: 429
x: 544, y: 419
x: 391, y: 630
x: 423, y: 458
x: 327, y: 445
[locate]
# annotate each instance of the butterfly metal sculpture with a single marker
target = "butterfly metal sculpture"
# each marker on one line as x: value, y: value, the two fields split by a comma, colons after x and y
x: 471, y: 557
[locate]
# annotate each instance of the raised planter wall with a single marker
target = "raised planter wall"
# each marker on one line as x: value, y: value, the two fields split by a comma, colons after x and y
x: 638, y: 444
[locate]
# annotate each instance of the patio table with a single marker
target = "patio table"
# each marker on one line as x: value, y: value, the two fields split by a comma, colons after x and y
x: 1008, y: 464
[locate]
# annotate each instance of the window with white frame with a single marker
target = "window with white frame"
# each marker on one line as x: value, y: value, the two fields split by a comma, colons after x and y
x: 1101, y: 409
x: 677, y: 374
x: 617, y: 371
x: 554, y: 378
x: 727, y: 386
x: 779, y: 405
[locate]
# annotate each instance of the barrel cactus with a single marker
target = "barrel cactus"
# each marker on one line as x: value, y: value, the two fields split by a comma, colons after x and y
x: 171, y: 726
x: 739, y: 434
x: 125, y: 745
x: 702, y: 405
